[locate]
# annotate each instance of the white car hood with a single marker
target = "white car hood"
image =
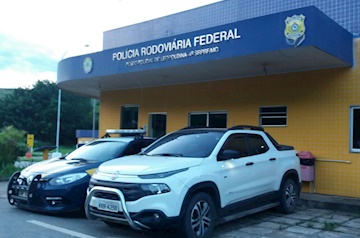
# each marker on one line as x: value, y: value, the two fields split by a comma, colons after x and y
x: 142, y: 164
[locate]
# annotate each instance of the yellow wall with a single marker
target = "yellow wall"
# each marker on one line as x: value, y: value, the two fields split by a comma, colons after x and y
x: 318, y: 105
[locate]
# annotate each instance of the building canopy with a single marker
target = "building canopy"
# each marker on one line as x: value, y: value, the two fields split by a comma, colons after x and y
x: 297, y: 40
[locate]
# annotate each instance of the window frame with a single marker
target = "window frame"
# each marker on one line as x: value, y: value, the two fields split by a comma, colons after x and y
x: 122, y: 116
x: 351, y: 129
x: 207, y: 113
x: 150, y: 129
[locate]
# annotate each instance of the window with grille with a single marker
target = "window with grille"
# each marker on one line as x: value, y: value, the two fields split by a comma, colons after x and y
x: 273, y: 116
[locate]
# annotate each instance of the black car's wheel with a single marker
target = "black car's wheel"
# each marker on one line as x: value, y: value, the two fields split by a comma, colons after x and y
x: 289, y: 194
x: 200, y: 217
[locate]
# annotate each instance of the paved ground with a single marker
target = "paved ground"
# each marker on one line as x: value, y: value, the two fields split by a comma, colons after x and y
x: 304, y: 223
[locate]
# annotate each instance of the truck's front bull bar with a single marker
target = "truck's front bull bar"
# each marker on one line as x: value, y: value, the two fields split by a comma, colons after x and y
x: 134, y: 224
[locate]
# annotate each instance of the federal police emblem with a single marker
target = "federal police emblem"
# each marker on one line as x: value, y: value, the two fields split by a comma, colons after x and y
x: 295, y: 30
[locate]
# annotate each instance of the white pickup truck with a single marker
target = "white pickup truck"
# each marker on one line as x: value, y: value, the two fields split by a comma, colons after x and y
x: 194, y: 179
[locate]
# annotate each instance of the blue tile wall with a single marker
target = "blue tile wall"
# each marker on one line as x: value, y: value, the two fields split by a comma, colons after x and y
x: 345, y: 12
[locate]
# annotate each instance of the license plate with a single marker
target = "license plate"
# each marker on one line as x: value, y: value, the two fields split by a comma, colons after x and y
x: 105, y: 204
x: 23, y: 193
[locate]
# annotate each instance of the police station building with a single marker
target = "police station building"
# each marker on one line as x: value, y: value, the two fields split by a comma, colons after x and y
x: 291, y: 67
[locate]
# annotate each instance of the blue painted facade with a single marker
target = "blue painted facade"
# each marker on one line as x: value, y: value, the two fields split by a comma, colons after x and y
x: 240, y: 39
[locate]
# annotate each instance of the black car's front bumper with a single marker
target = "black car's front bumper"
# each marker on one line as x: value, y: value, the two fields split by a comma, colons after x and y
x: 40, y: 197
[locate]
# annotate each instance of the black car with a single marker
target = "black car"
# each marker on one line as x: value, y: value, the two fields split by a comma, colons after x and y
x: 59, y: 185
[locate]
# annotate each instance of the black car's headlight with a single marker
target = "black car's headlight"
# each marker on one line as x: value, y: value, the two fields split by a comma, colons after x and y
x: 68, y: 178
x: 30, y: 179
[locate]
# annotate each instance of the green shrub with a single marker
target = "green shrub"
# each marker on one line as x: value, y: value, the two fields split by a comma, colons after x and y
x: 12, y: 145
x: 7, y: 171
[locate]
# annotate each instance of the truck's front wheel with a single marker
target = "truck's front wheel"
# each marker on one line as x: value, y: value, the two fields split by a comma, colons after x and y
x: 200, y: 217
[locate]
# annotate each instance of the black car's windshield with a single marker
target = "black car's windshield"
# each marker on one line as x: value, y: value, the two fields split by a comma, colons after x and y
x: 98, y: 151
x: 186, y: 144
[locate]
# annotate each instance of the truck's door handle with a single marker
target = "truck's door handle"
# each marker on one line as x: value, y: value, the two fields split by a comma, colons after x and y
x: 249, y: 163
x: 272, y: 159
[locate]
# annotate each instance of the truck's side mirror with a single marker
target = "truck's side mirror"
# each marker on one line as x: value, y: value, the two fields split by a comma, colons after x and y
x: 228, y: 154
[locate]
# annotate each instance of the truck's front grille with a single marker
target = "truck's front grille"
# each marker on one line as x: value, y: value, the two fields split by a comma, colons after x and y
x: 131, y: 191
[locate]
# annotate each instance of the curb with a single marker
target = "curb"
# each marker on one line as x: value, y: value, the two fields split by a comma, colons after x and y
x: 330, y: 202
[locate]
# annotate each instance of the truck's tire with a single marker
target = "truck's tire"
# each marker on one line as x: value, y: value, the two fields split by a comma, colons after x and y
x: 199, y: 218
x: 289, y: 195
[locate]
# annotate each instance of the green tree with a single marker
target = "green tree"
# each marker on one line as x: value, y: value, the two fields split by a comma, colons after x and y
x: 12, y: 145
x: 76, y: 114
x: 35, y: 111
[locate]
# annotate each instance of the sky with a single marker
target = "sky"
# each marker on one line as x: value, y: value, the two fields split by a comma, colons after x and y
x: 36, y: 34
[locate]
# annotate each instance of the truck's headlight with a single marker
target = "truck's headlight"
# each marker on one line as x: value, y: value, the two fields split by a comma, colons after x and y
x: 155, y: 188
x: 66, y: 179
